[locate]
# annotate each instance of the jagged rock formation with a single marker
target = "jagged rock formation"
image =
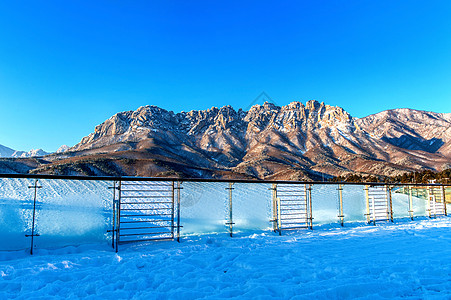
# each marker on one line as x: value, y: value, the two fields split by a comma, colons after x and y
x: 294, y: 142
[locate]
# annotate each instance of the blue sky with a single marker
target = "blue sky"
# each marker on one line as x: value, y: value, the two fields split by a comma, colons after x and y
x: 66, y: 66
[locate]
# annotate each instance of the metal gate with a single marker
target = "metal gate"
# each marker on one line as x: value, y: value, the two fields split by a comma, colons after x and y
x: 145, y: 211
x: 436, y: 202
x: 292, y: 207
x: 378, y: 204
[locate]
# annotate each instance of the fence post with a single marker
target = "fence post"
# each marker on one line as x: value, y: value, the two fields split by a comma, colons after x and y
x: 340, y: 204
x: 390, y: 203
x: 309, y: 203
x: 32, y: 235
x: 113, y: 229
x: 178, y: 211
x: 173, y: 207
x: 444, y: 199
x: 279, y: 219
x: 230, y: 222
x: 368, y: 217
x: 410, y: 202
x: 274, y: 220
x: 118, y: 215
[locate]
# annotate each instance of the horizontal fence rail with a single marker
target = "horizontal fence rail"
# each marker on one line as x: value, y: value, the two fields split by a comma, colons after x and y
x: 54, y: 211
x: 131, y: 178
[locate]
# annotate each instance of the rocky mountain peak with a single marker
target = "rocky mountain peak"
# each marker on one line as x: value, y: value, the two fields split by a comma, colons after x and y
x: 295, y: 105
x: 313, y: 105
x: 311, y: 136
x: 62, y: 148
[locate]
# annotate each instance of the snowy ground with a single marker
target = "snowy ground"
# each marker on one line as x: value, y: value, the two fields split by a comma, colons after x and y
x: 408, y: 260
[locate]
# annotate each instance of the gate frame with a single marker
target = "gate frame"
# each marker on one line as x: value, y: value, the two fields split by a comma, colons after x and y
x: 388, y: 198
x: 431, y: 193
x: 116, y: 226
x: 276, y: 205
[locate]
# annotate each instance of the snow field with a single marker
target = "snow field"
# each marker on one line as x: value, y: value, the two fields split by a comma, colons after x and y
x: 405, y: 260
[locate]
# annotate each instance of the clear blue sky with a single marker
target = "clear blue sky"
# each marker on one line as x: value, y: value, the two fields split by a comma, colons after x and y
x: 66, y: 66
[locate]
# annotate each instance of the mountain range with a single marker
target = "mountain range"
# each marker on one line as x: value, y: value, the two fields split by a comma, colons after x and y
x: 8, y: 152
x: 292, y: 142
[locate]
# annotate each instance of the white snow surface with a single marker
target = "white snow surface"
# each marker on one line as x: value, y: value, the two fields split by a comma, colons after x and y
x: 62, y: 148
x: 31, y: 153
x: 5, y: 151
x: 8, y: 152
x: 401, y: 260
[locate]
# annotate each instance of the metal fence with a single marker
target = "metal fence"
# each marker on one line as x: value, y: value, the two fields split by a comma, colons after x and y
x: 54, y: 211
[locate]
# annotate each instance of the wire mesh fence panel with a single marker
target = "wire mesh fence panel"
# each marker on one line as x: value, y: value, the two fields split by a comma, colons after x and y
x: 436, y: 201
x: 293, y: 206
x: 325, y: 204
x: 16, y: 210
x: 204, y: 207
x: 354, y: 207
x: 73, y: 212
x: 378, y: 203
x: 252, y: 206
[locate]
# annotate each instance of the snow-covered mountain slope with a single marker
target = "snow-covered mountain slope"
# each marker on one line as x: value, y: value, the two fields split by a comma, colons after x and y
x: 8, y: 152
x: 31, y: 153
x: 5, y: 151
x: 62, y: 148
x: 411, y: 129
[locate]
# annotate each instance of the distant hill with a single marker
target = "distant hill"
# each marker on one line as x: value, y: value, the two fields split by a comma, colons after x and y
x: 8, y: 152
x: 5, y: 151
